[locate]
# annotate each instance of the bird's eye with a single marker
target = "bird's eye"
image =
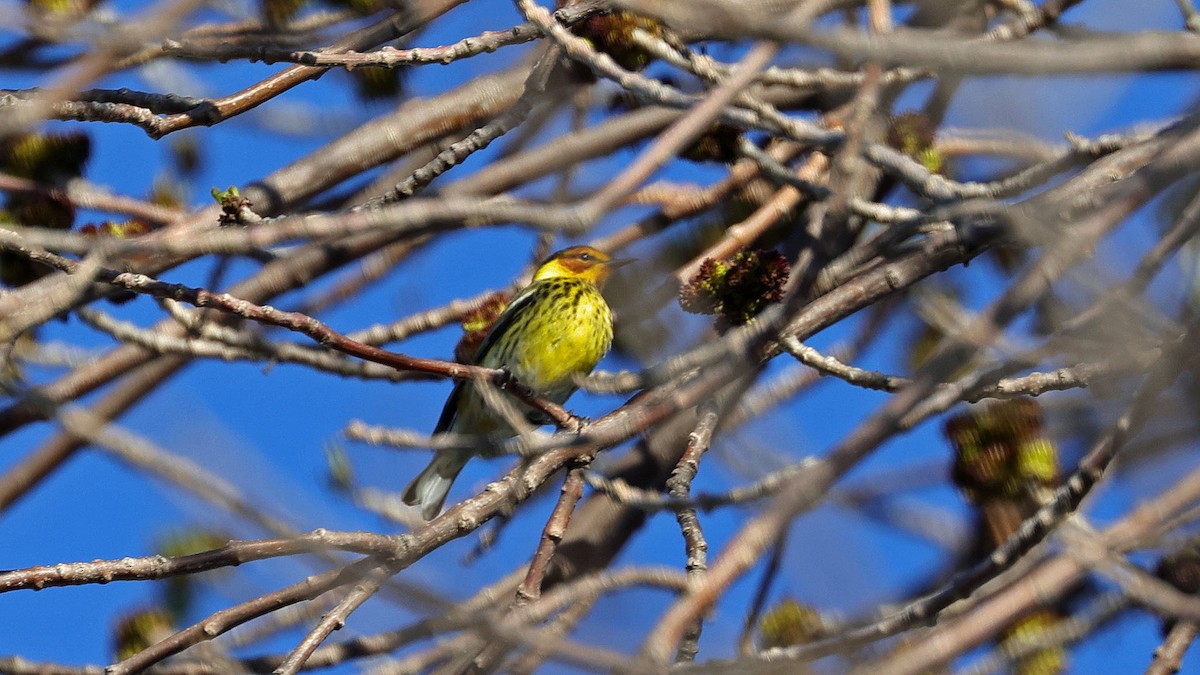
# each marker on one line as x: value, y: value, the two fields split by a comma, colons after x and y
x: 585, y: 257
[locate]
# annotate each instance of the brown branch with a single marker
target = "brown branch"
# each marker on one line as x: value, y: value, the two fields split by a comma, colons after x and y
x: 530, y: 587
x: 161, y: 567
x: 218, y: 110
x: 87, y: 196
x: 754, y: 538
x: 334, y: 619
x: 679, y: 486
x: 1045, y: 583
x: 1034, y: 529
x: 222, y: 621
x: 1168, y: 656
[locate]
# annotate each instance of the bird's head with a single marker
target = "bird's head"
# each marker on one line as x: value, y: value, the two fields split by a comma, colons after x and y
x: 580, y: 262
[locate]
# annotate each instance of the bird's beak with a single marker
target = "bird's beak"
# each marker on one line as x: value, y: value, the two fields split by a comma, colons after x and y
x: 619, y: 262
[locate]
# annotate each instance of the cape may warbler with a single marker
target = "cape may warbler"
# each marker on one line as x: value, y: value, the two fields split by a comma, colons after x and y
x: 556, y: 328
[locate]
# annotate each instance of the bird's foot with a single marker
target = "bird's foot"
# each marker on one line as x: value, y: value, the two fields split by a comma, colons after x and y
x: 503, y: 378
x: 576, y: 423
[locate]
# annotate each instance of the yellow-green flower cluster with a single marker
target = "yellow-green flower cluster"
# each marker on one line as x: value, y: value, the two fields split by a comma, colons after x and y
x: 1000, y: 451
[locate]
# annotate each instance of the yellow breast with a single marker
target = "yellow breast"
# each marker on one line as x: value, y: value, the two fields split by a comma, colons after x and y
x: 561, y: 331
x: 554, y: 330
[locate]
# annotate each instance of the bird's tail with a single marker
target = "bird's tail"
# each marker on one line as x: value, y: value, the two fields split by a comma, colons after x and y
x: 430, y: 487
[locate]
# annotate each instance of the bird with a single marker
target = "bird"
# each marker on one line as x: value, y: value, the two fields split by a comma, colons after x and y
x: 555, y: 329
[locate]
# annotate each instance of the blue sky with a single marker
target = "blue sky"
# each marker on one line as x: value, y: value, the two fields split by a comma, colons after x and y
x: 266, y: 429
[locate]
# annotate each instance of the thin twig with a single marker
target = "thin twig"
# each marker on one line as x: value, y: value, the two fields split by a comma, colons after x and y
x: 679, y: 486
x: 334, y: 619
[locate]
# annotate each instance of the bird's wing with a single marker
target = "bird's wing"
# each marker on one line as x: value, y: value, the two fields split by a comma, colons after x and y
x: 514, y: 309
x: 450, y: 409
